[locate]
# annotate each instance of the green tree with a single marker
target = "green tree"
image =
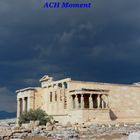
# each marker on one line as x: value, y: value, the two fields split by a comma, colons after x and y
x: 34, y: 115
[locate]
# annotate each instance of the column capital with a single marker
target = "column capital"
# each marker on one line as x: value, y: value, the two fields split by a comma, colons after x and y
x: 76, y: 95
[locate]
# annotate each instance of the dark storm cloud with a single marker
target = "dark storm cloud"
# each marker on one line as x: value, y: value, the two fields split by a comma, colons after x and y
x: 7, y: 101
x: 100, y: 44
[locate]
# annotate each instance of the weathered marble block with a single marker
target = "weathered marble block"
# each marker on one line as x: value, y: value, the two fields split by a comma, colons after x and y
x: 134, y: 136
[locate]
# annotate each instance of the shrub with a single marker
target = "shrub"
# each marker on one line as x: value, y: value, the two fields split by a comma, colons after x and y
x: 35, y: 115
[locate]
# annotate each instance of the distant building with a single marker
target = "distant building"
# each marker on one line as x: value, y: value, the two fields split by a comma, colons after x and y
x: 79, y: 101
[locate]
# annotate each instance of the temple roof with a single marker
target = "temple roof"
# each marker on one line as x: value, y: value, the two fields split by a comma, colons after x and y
x: 25, y: 89
x: 46, y: 78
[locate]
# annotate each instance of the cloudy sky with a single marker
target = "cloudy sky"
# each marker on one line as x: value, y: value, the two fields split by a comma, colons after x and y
x: 96, y: 44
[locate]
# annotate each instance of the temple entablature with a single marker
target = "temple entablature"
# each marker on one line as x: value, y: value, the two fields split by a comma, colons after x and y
x: 26, y: 89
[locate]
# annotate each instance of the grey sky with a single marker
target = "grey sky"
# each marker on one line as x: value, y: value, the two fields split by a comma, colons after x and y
x: 101, y: 44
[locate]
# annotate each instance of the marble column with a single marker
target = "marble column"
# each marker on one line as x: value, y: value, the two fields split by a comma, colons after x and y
x: 107, y: 102
x: 82, y: 101
x: 19, y: 111
x: 98, y: 100
x: 26, y: 104
x: 76, y: 102
x: 18, y: 108
x: 102, y: 104
x: 63, y: 86
x: 90, y: 102
x: 23, y: 99
x: 73, y: 99
x: 21, y: 106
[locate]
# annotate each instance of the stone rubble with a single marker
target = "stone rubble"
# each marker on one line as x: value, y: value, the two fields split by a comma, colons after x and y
x: 9, y: 130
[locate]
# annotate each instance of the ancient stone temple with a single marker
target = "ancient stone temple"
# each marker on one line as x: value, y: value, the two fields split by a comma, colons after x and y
x: 73, y: 101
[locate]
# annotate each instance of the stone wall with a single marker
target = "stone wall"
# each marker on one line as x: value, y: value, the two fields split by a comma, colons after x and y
x: 123, y: 99
x: 55, y: 106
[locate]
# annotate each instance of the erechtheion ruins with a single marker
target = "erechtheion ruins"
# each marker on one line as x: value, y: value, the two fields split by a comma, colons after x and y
x: 73, y: 101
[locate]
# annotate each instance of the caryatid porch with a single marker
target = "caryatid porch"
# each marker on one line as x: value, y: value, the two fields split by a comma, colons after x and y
x: 89, y: 99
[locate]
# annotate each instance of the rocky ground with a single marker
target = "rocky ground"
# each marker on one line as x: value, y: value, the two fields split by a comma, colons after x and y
x: 8, y: 130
